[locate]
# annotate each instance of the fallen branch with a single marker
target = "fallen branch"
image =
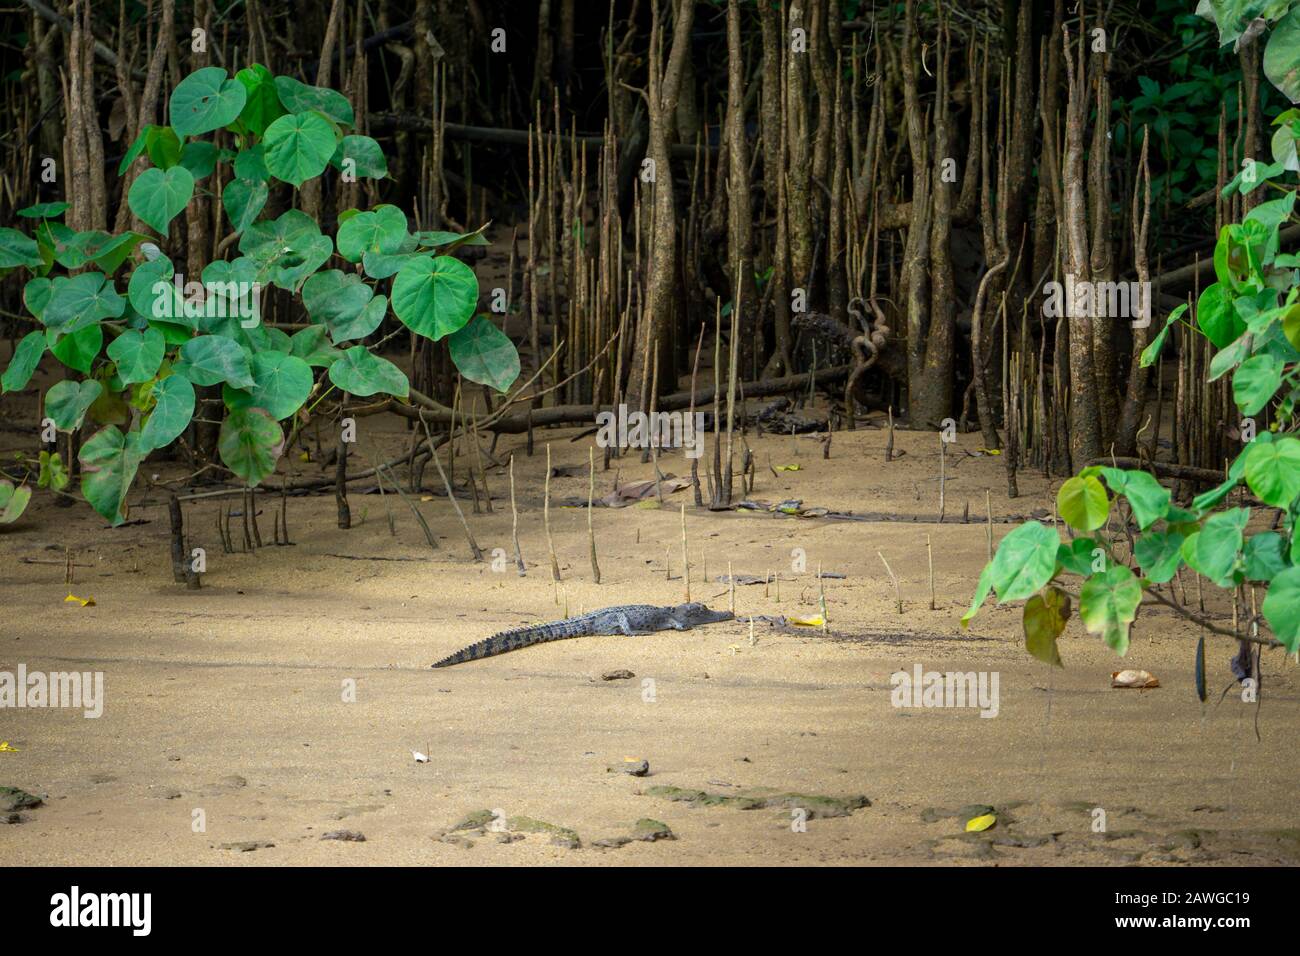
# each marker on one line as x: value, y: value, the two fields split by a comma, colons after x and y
x: 436, y: 413
x: 317, y: 484
x: 409, y: 122
x: 1164, y: 469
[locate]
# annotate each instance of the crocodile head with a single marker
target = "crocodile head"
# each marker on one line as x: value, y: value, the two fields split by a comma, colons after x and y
x: 695, y: 613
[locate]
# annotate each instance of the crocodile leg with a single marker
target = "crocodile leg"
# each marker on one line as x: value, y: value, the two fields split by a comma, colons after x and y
x: 626, y: 627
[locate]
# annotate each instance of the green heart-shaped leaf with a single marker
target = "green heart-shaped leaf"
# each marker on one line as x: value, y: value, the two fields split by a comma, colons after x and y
x: 435, y: 297
x: 250, y: 443
x: 205, y: 100
x: 485, y: 354
x: 78, y: 350
x: 359, y: 372
x: 337, y: 299
x: 370, y: 319
x: 44, y: 210
x: 108, y: 252
x: 163, y: 146
x: 298, y: 97
x: 1216, y: 316
x: 232, y: 298
x: 137, y: 354
x: 447, y: 241
x: 283, y: 383
x: 1217, y: 545
x: 288, y: 249
x: 1282, y: 55
x: 213, y: 359
x: 1255, y: 382
x: 154, y: 295
x: 52, y: 475
x: 298, y: 147
x: 26, y: 357
x: 172, y: 412
x: 81, y: 300
x: 158, y: 196
x: 17, y: 249
x: 262, y: 108
x: 13, y: 501
x: 243, y: 200
x: 1281, y: 608
x: 1077, y: 556
x: 1264, y: 556
x: 67, y: 402
x: 1273, y: 470
x: 380, y: 230
x: 1025, y: 561
x: 1045, y: 617
x: 1146, y: 496
x: 1159, y: 554
x: 108, y: 465
x: 200, y: 158
x: 312, y: 346
x: 365, y: 155
x: 1108, y: 604
x: 36, y: 295
x: 383, y: 265
x: 1083, y: 503
x: 250, y: 164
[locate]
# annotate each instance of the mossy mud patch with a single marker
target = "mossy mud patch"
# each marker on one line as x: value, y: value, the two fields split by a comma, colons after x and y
x: 760, y: 798
x: 645, y: 830
x: 483, y: 822
x: 12, y: 800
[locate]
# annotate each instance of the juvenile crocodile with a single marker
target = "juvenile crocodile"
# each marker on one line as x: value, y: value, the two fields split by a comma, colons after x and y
x: 627, y: 619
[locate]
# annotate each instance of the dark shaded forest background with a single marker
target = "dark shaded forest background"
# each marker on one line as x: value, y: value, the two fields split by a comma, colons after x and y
x: 857, y: 196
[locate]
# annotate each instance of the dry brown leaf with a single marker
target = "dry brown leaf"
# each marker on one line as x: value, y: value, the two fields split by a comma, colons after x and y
x: 635, y: 491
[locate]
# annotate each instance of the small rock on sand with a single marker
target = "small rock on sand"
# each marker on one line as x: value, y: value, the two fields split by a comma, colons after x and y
x: 635, y: 768
x: 454, y: 840
x: 347, y: 836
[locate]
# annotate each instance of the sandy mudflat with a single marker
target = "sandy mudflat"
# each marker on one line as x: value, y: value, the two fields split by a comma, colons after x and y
x: 230, y: 700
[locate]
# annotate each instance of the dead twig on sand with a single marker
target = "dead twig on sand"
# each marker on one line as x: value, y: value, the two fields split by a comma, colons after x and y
x: 898, y: 595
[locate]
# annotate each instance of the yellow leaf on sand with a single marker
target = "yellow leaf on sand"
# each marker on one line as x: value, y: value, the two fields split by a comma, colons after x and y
x: 990, y: 451
x: 979, y: 824
x: 6, y: 749
x: 84, y: 602
x: 789, y: 468
x: 815, y: 621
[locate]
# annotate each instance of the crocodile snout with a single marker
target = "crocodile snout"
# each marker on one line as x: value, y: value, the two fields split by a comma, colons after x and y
x: 697, y: 613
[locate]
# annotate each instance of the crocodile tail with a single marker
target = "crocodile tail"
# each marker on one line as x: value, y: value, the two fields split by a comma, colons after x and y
x: 506, y: 641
